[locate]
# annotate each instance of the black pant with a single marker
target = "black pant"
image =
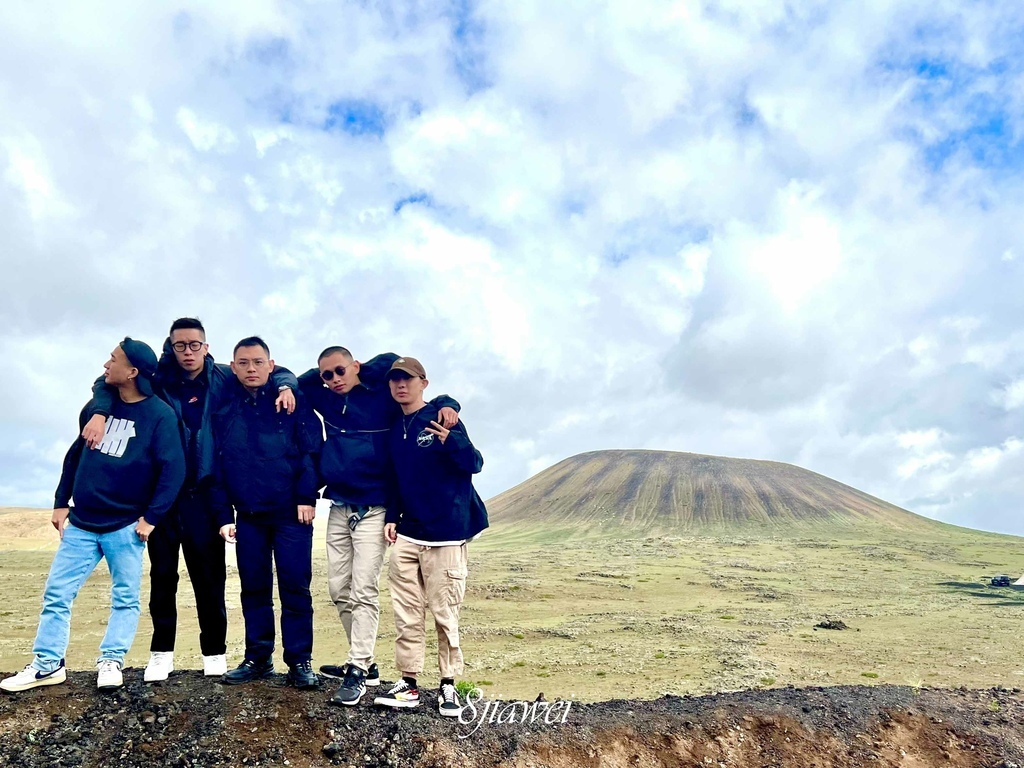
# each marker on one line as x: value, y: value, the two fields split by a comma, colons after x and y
x: 190, y: 526
x: 289, y: 543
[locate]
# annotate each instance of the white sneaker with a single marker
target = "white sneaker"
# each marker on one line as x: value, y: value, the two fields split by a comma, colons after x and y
x: 215, y: 666
x: 108, y: 675
x: 161, y: 664
x: 30, y: 677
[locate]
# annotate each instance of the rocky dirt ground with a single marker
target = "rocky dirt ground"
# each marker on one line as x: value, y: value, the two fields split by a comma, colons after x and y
x: 192, y: 721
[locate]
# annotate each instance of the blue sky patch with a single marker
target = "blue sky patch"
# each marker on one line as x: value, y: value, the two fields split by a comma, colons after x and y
x: 468, y: 47
x: 356, y: 117
x: 416, y: 199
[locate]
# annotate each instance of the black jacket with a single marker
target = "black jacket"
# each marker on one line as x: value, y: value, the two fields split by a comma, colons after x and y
x: 217, y: 377
x: 353, y: 461
x: 435, y: 499
x: 265, y: 459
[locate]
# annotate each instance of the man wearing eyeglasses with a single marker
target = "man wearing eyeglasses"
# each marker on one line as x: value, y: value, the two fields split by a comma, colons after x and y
x: 190, y: 382
x: 266, y: 475
x: 357, y: 408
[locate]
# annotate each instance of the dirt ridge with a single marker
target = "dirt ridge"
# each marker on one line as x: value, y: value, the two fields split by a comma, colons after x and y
x: 193, y: 721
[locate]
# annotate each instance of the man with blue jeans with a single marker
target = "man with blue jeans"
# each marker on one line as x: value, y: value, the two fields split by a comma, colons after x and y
x: 121, y: 491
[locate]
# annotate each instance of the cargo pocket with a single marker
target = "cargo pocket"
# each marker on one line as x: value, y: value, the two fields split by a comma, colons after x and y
x: 456, y: 585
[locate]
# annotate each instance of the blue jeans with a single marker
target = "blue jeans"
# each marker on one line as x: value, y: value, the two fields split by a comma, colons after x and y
x: 79, y: 553
x: 265, y: 541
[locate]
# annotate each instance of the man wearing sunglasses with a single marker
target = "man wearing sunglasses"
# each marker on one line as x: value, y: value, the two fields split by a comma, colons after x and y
x: 357, y: 408
x: 188, y: 380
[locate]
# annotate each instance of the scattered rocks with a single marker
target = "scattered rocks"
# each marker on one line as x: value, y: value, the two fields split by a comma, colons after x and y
x: 830, y: 624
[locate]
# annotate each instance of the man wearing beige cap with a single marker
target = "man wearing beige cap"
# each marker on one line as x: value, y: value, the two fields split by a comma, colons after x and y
x: 435, y: 510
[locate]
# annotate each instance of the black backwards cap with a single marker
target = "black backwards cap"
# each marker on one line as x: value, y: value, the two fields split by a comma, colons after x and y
x: 143, y: 358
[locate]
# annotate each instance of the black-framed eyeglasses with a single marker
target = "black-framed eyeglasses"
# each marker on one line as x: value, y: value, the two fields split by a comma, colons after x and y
x: 195, y: 346
x: 329, y: 374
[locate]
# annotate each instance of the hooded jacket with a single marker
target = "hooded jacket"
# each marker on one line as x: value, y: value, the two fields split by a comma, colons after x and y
x: 216, y: 377
x: 354, y: 460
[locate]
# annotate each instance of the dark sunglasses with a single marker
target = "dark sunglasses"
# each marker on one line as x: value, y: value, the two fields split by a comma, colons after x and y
x: 329, y: 374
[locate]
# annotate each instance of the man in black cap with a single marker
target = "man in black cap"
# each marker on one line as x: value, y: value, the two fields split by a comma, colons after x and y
x: 188, y: 380
x: 121, y: 490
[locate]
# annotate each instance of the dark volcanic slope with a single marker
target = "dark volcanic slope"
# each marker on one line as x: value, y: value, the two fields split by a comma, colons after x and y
x: 662, y: 490
x: 191, y: 721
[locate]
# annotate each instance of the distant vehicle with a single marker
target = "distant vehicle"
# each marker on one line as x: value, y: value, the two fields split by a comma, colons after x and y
x: 1000, y: 581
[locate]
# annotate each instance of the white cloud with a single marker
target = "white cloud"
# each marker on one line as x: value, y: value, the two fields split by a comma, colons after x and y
x: 744, y: 228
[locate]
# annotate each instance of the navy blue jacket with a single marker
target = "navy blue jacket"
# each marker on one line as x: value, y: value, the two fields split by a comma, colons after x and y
x: 136, y: 471
x: 435, y: 499
x: 354, y: 461
x: 216, y: 377
x: 265, y: 460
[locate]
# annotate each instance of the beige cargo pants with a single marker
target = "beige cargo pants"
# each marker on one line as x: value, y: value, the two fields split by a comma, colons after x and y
x: 354, y: 562
x: 420, y: 578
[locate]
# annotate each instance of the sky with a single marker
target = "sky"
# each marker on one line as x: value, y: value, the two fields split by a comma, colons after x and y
x: 772, y: 230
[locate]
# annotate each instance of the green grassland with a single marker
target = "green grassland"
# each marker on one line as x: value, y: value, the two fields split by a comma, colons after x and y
x: 591, y: 615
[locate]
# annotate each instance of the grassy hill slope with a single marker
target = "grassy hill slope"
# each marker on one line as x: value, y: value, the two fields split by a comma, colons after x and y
x: 659, y: 490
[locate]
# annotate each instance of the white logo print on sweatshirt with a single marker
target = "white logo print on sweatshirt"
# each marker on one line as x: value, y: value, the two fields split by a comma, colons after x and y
x: 116, y: 436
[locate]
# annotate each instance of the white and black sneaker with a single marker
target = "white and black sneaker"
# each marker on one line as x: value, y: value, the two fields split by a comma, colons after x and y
x: 338, y: 672
x: 372, y: 677
x: 108, y: 675
x: 30, y: 677
x: 402, y: 694
x: 448, y: 703
x: 353, y: 686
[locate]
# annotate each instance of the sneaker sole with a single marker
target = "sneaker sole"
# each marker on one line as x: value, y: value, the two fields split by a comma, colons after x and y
x: 147, y: 679
x: 450, y: 712
x: 372, y: 683
x: 54, y: 679
x: 352, y: 703
x: 112, y: 687
x: 396, y: 704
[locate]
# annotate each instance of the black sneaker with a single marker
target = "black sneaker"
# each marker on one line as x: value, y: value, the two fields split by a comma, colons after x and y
x: 448, y: 703
x: 248, y: 671
x: 333, y: 670
x: 402, y: 694
x: 302, y: 676
x: 338, y: 672
x: 353, y: 686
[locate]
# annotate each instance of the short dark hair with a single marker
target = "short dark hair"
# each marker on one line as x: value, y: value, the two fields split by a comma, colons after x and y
x: 251, y: 341
x: 186, y: 323
x: 333, y: 351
